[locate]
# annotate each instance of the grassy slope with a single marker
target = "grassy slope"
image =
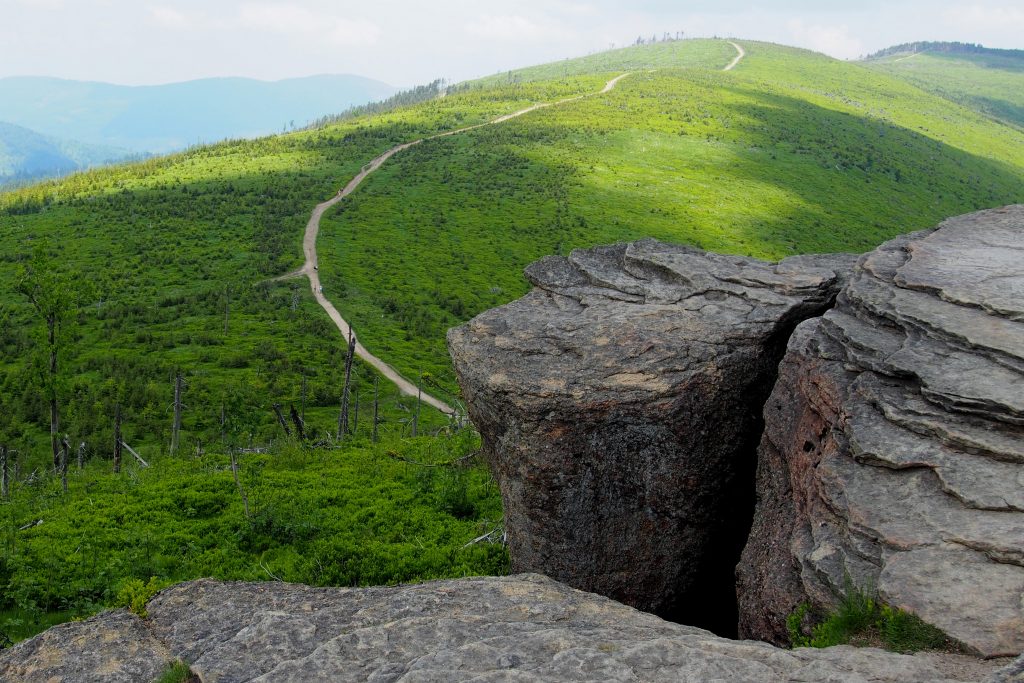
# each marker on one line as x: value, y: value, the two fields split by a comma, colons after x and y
x: 172, y: 241
x: 789, y: 152
x: 162, y: 241
x: 991, y: 84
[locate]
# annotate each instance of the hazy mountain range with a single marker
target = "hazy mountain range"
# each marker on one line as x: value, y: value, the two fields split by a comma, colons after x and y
x: 52, y: 126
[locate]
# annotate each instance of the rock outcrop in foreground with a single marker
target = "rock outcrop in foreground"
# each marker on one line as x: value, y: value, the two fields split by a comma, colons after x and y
x: 620, y: 400
x: 620, y: 409
x: 893, y: 452
x: 521, y: 628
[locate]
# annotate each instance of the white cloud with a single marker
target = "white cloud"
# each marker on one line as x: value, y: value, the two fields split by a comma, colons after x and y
x: 281, y: 18
x: 168, y: 17
x: 985, y: 17
x: 296, y: 20
x: 43, y: 4
x: 355, y: 32
x: 514, y: 27
x: 834, y: 41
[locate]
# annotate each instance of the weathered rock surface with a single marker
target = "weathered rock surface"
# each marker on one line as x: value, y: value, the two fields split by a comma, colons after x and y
x: 620, y: 406
x: 113, y: 647
x: 522, y: 628
x: 893, y: 452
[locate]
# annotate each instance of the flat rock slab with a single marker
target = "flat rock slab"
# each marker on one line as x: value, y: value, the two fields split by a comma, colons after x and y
x: 525, y: 628
x: 620, y: 403
x: 113, y: 647
x: 893, y: 451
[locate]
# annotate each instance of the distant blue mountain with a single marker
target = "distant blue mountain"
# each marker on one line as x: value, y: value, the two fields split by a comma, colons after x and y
x: 164, y: 118
x: 26, y: 155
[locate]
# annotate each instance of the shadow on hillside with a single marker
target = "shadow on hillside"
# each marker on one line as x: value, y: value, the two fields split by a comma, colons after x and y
x: 855, y: 181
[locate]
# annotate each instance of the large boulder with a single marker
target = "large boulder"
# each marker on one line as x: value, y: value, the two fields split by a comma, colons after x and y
x: 620, y: 408
x: 893, y: 451
x: 521, y: 628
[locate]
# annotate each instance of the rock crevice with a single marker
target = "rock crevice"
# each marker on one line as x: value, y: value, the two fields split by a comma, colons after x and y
x: 620, y: 408
x: 622, y: 400
x: 910, y: 394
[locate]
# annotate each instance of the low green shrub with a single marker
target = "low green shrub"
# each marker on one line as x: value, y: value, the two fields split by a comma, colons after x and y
x: 862, y: 620
x: 177, y: 672
x: 134, y: 593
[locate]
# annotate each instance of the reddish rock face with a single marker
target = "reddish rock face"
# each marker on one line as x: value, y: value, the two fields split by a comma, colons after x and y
x: 893, y: 449
x: 620, y: 408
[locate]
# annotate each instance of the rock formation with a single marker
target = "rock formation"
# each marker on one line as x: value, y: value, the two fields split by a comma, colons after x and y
x: 893, y: 452
x: 620, y: 404
x: 522, y: 628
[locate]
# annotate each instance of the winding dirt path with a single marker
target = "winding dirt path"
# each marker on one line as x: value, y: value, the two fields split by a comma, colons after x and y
x: 740, y: 54
x: 309, y: 269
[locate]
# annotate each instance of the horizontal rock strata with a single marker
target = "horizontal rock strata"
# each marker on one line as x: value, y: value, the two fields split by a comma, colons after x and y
x: 620, y: 403
x: 522, y: 628
x: 893, y: 452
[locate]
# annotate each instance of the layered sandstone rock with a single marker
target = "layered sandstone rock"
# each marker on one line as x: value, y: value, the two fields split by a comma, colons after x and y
x: 893, y: 452
x: 620, y: 403
x: 521, y: 628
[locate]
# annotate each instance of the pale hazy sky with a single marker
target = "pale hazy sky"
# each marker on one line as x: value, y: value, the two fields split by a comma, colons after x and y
x: 404, y: 43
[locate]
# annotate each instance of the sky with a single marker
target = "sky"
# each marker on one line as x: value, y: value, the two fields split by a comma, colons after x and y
x: 136, y: 42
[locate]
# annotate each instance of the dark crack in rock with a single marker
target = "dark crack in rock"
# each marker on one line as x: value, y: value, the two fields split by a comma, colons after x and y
x: 620, y: 408
x: 893, y: 452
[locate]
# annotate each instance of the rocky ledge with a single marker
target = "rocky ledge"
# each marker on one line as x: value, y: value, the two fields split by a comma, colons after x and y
x: 621, y: 402
x: 620, y: 408
x: 893, y: 453
x: 521, y: 628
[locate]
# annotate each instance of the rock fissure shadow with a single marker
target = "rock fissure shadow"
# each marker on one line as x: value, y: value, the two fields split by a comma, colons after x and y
x: 711, y: 603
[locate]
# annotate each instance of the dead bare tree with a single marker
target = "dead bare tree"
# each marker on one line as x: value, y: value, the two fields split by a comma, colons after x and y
x: 300, y: 427
x: 176, y: 427
x: 376, y: 406
x: 280, y: 419
x: 343, y: 415
x: 65, y: 455
x: 117, y: 438
x: 5, y: 484
x: 81, y: 455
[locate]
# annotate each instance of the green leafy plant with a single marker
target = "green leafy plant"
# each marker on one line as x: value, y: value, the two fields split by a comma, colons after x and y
x: 177, y: 672
x: 860, y: 619
x: 134, y: 593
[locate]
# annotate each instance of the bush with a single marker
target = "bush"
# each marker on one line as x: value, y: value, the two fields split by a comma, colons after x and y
x: 862, y: 620
x: 134, y: 594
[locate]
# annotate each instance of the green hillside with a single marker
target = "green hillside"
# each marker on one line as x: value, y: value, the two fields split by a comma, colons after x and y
x: 174, y: 266
x: 989, y: 81
x: 789, y: 152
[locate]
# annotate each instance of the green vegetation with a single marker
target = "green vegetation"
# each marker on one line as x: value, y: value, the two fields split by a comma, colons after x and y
x: 177, y: 672
x: 790, y: 152
x: 989, y: 81
x: 862, y: 620
x: 673, y: 54
x: 363, y: 515
x: 181, y: 259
